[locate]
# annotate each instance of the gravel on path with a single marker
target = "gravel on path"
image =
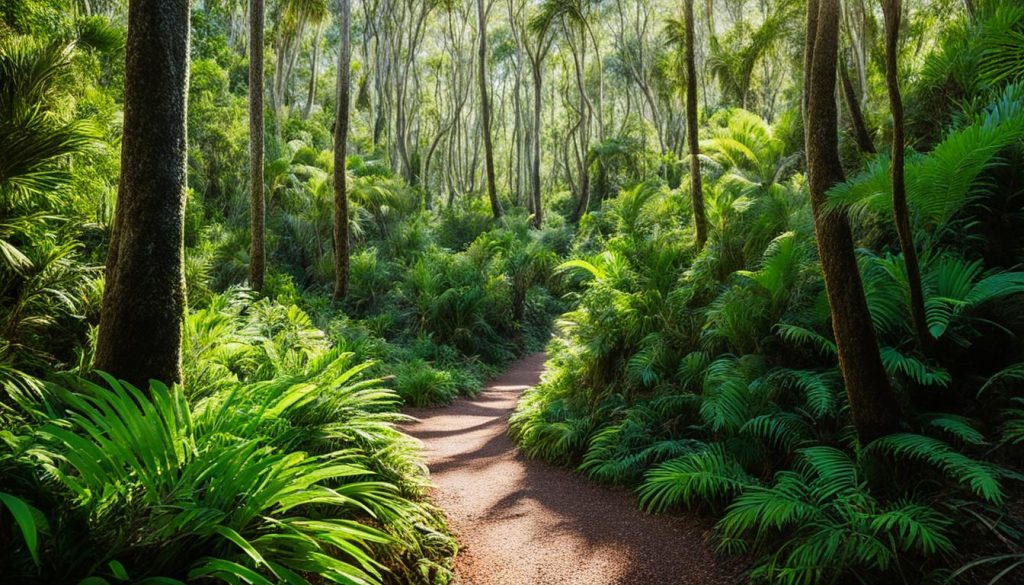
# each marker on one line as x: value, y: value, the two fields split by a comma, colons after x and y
x: 523, y: 522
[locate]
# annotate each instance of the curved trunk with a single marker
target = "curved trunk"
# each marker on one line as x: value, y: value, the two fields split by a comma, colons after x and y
x: 485, y: 110
x: 901, y: 214
x: 872, y: 404
x: 144, y: 297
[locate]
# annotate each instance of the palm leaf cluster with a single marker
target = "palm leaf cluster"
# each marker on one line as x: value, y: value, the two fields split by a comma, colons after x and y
x: 284, y: 467
x: 709, y: 380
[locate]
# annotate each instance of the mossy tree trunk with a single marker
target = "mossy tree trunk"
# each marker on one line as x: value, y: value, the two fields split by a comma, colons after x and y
x: 700, y: 220
x: 872, y: 403
x: 341, y: 236
x: 144, y: 296
x: 257, y: 201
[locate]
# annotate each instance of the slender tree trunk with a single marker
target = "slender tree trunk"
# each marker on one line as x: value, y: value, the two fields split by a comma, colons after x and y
x: 872, y: 403
x: 314, y: 63
x: 485, y: 109
x: 891, y: 10
x: 700, y: 219
x: 860, y: 129
x: 341, y: 251
x: 144, y: 297
x: 538, y: 209
x: 257, y: 203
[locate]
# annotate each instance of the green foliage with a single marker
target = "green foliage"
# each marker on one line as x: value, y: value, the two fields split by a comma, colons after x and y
x: 709, y: 380
x: 286, y: 467
x: 709, y: 476
x: 421, y: 385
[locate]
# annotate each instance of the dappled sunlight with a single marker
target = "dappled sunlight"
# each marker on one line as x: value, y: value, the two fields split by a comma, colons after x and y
x: 519, y: 519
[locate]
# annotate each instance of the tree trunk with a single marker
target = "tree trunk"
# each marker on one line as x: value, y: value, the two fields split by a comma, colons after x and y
x: 314, y: 63
x: 257, y: 203
x: 891, y: 10
x: 860, y: 129
x: 144, y: 297
x: 341, y: 251
x: 872, y: 403
x: 538, y: 209
x: 485, y: 109
x: 700, y: 219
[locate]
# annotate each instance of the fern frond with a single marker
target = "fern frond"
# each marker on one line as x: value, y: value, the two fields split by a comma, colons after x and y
x: 925, y: 375
x: 980, y: 477
x: 798, y: 335
x: 916, y: 526
x: 957, y: 426
x: 710, y: 476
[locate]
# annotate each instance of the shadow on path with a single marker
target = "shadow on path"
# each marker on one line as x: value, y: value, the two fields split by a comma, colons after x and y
x: 522, y: 522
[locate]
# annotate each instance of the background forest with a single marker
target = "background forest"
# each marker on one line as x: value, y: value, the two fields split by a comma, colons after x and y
x: 744, y: 318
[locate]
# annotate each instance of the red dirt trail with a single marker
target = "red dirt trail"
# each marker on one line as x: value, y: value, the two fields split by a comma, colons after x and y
x: 522, y: 522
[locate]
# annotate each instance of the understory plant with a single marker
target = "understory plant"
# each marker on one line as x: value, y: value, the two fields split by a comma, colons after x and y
x: 708, y: 380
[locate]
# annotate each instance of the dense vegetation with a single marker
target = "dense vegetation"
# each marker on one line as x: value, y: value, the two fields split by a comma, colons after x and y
x: 708, y: 378
x: 284, y: 405
x: 390, y: 231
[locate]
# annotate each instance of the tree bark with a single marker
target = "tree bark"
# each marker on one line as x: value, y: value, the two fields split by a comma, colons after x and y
x: 872, y: 404
x: 144, y: 296
x: 891, y: 11
x: 860, y: 129
x: 538, y: 209
x: 700, y: 219
x: 341, y: 251
x: 257, y: 202
x: 314, y: 63
x: 485, y: 109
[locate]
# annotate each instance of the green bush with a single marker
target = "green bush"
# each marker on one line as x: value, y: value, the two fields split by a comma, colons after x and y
x: 419, y: 384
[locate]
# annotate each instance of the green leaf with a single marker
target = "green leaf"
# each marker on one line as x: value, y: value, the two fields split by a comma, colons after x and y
x: 23, y: 516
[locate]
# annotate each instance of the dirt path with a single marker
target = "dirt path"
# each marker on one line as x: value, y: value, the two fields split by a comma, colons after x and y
x: 522, y: 522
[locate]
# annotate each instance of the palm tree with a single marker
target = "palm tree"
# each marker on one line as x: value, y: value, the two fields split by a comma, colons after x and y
x: 257, y: 210
x: 341, y: 236
x: 872, y: 403
x: 734, y: 64
x: 144, y: 297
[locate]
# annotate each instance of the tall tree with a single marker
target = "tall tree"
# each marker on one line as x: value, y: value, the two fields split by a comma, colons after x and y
x: 891, y: 11
x: 700, y: 219
x: 485, y: 107
x: 341, y: 251
x: 257, y: 202
x: 537, y: 45
x: 872, y: 403
x: 144, y: 296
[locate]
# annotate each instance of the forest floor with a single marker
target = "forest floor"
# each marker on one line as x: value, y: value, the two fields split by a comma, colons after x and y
x: 523, y: 522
